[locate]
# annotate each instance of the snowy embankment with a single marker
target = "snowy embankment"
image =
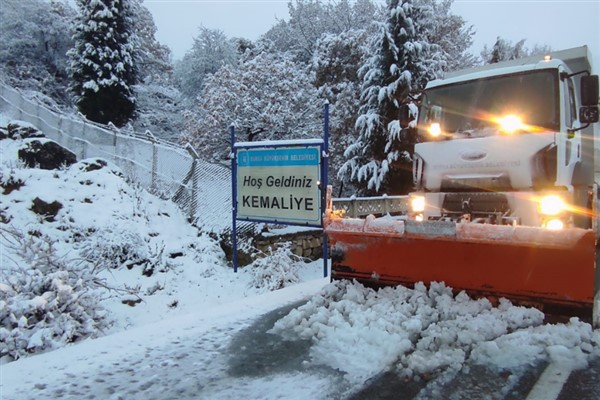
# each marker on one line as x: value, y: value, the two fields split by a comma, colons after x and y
x: 86, y: 253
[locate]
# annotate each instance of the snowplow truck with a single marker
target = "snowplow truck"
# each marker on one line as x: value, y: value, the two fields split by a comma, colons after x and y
x: 505, y: 200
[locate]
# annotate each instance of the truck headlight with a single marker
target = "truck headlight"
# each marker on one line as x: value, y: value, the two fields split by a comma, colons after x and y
x: 435, y: 129
x: 552, y: 205
x: 554, y: 224
x: 510, y: 123
x: 417, y: 204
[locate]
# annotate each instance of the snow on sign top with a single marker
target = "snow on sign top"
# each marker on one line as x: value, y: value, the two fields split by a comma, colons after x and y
x: 279, y: 143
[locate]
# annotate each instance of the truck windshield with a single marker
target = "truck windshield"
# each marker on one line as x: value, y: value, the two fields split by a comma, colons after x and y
x: 474, y: 108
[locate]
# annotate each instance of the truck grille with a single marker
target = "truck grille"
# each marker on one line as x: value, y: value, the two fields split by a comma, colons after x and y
x: 475, y: 203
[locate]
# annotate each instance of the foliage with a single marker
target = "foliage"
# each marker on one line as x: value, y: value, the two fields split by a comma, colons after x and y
x: 311, y: 19
x: 335, y: 64
x: 505, y: 50
x: 46, y: 301
x: 152, y: 59
x: 266, y: 97
x: 159, y: 105
x: 449, y: 32
x: 102, y: 61
x: 211, y: 50
x: 276, y: 270
x: 34, y: 45
x: 159, y: 109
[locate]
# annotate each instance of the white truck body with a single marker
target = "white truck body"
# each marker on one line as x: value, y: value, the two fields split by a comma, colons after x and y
x: 483, y: 172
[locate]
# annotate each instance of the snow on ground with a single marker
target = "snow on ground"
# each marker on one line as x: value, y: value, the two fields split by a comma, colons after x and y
x: 418, y: 334
x: 182, y: 357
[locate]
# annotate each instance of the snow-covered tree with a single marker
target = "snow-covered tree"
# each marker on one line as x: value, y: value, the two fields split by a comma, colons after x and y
x: 505, y: 50
x: 311, y: 19
x: 152, y: 59
x: 33, y: 45
x: 336, y: 60
x: 265, y: 96
x: 450, y: 33
x: 159, y: 104
x: 102, y: 61
x: 402, y: 62
x: 211, y: 50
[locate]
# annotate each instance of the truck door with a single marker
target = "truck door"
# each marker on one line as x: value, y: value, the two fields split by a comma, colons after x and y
x: 569, y: 143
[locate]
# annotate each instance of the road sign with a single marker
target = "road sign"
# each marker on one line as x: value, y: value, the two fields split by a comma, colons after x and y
x: 279, y: 183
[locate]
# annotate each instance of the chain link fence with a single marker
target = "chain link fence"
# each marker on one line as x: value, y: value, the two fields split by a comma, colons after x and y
x: 201, y: 189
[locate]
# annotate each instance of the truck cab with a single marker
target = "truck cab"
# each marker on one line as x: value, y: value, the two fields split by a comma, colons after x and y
x: 509, y: 143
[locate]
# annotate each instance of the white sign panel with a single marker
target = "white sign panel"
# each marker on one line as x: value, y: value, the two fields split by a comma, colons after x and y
x: 279, y: 184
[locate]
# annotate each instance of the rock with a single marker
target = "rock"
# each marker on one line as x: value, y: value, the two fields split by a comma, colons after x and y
x: 92, y: 164
x: 11, y: 184
x: 47, y: 210
x: 98, y: 163
x: 22, y: 130
x: 47, y: 154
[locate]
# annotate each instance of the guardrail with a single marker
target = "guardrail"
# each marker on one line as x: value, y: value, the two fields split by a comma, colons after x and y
x: 357, y: 207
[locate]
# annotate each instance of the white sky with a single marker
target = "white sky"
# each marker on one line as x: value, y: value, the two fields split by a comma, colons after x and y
x: 558, y: 23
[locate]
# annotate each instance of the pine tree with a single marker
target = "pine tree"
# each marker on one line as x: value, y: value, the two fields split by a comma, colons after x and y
x: 102, y: 67
x: 380, y: 160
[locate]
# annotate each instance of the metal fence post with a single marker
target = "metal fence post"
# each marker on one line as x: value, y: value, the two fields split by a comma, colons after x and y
x: 21, y: 105
x: 153, y: 140
x: 83, y: 147
x: 194, y: 202
x: 114, y: 130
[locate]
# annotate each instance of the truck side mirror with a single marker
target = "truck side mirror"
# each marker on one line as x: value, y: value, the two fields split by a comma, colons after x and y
x: 589, y: 113
x: 589, y: 90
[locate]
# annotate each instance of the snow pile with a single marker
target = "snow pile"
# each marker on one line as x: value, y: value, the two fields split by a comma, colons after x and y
x: 424, y: 331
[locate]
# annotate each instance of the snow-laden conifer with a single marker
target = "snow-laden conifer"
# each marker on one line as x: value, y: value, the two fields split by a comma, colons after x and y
x: 102, y: 61
x: 401, y: 64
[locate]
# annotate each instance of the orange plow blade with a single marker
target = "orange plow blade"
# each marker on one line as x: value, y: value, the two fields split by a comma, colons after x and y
x: 552, y: 270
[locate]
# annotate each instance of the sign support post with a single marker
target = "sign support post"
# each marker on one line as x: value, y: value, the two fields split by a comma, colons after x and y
x: 325, y: 158
x: 233, y: 199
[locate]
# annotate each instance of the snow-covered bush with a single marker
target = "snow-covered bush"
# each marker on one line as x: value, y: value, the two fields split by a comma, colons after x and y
x: 46, y: 300
x: 276, y: 270
x: 114, y: 247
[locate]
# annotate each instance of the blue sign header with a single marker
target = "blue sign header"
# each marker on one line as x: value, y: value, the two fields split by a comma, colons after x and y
x: 278, y: 157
